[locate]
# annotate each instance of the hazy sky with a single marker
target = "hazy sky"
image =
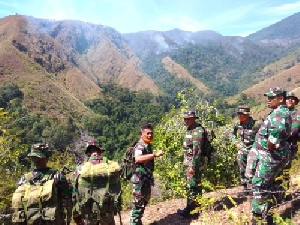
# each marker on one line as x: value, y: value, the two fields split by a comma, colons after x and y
x: 227, y: 17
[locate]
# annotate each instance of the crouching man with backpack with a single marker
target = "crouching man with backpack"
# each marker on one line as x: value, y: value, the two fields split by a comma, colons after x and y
x: 41, y: 193
x: 97, y: 189
x: 142, y: 177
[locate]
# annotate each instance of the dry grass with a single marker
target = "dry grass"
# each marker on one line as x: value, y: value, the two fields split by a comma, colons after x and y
x: 180, y: 72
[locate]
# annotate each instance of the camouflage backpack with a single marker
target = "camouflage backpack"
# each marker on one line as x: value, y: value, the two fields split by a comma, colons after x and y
x: 128, y: 165
x: 99, y: 188
x: 207, y: 147
x: 34, y: 202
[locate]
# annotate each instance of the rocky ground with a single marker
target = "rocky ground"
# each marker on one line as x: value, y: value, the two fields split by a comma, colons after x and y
x: 225, y: 208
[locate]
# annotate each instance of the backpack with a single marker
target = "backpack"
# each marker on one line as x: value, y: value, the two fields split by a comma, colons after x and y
x: 207, y: 147
x: 37, y: 202
x: 128, y: 164
x: 99, y: 188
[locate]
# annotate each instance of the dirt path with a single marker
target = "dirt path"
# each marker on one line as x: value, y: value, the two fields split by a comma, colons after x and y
x: 226, y: 209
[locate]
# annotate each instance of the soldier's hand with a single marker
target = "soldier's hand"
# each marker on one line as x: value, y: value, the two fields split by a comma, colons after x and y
x: 159, y: 153
x: 272, y: 146
x: 191, y: 171
x: 238, y: 146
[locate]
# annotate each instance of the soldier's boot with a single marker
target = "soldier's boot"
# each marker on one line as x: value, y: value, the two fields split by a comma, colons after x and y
x: 256, y: 219
x: 186, y: 212
x: 245, y: 192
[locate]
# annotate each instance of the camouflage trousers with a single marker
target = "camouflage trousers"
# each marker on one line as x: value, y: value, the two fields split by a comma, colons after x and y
x: 252, y: 159
x: 242, y: 164
x: 194, y: 189
x: 268, y: 165
x: 141, y: 197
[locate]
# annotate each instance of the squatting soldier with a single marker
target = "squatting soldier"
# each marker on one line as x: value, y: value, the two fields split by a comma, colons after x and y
x: 142, y: 179
x: 97, y: 188
x: 272, y: 154
x: 36, y: 191
x: 194, y: 163
x: 243, y: 135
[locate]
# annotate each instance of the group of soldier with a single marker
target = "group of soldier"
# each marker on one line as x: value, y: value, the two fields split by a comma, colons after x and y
x: 265, y: 152
x: 265, y: 149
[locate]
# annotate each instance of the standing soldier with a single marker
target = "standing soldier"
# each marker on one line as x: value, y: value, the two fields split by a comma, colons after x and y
x: 142, y: 178
x: 291, y: 102
x: 41, y: 193
x: 192, y: 147
x: 97, y: 188
x: 272, y: 154
x: 243, y: 135
x: 284, y: 179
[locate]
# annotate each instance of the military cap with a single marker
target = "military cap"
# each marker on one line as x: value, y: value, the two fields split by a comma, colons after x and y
x: 292, y: 95
x: 275, y: 92
x: 40, y: 150
x: 190, y: 114
x: 243, y: 109
x: 92, y: 144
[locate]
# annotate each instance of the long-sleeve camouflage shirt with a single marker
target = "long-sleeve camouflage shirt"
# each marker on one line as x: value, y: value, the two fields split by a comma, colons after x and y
x: 276, y: 129
x: 244, y: 133
x: 145, y: 169
x: 295, y: 131
x: 192, y: 146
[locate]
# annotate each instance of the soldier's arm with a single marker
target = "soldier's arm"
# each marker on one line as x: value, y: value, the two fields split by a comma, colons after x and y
x: 233, y: 133
x: 140, y: 158
x: 197, y: 147
x: 278, y: 130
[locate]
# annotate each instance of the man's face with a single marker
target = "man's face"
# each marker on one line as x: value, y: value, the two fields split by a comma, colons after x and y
x: 95, y: 152
x: 147, y: 135
x: 243, y: 117
x: 290, y: 102
x: 274, y: 102
x: 189, y: 121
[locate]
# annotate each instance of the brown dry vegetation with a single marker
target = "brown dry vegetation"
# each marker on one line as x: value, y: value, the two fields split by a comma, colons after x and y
x: 59, y: 64
x: 180, y: 72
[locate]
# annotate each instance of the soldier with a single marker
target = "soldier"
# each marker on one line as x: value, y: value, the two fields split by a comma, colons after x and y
x: 91, y: 207
x: 54, y: 212
x: 192, y: 147
x: 291, y: 102
x: 142, y: 179
x: 272, y: 154
x: 243, y: 135
x: 284, y: 179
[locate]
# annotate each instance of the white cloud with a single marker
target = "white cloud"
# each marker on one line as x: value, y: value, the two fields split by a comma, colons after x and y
x: 285, y: 8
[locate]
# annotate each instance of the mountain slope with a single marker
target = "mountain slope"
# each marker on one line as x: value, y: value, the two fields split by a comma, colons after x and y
x: 288, y: 28
x: 59, y: 64
x: 182, y: 73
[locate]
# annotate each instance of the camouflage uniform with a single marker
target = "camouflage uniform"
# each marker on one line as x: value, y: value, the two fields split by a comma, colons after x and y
x: 142, y: 181
x: 283, y: 180
x: 243, y: 133
x: 275, y: 129
x: 90, y: 218
x: 64, y: 188
x: 192, y: 147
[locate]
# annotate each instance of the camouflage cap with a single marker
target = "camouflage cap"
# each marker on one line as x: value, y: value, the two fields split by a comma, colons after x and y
x: 92, y: 144
x: 243, y: 109
x: 190, y: 114
x: 275, y: 91
x: 292, y: 95
x: 40, y: 150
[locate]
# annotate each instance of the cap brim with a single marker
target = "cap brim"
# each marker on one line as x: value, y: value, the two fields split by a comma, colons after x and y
x: 88, y: 149
x: 39, y: 155
x: 269, y: 94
